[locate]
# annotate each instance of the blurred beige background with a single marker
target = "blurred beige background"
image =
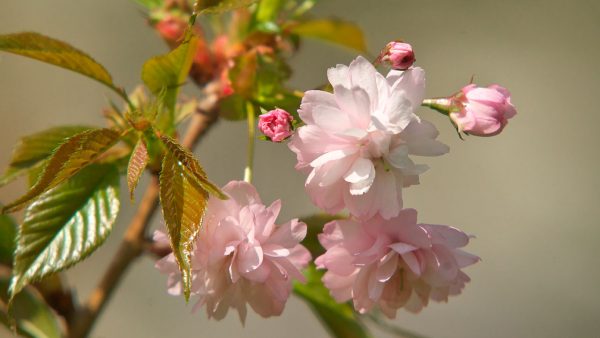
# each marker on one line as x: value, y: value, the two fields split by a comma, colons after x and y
x: 530, y: 195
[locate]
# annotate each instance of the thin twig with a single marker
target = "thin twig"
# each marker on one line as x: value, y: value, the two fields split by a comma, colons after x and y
x: 134, y: 239
x: 250, y: 151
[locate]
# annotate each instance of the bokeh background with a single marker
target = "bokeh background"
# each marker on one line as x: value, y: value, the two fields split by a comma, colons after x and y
x: 530, y: 195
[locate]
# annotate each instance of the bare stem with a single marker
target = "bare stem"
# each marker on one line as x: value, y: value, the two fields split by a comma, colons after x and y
x: 250, y: 152
x: 134, y: 239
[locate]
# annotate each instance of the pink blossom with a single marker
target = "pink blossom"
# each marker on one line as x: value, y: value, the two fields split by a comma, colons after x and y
x: 356, y: 143
x: 276, y: 124
x: 242, y: 257
x: 393, y: 263
x: 483, y: 111
x: 398, y: 54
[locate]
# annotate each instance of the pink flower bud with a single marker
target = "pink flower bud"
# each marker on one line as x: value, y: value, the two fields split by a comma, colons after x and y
x: 399, y: 55
x: 171, y: 28
x: 482, y: 111
x: 276, y: 124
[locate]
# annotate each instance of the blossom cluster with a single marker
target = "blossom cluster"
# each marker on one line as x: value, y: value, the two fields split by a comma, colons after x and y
x: 359, y: 146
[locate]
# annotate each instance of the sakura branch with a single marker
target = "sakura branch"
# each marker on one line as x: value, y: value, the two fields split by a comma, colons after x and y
x: 359, y: 141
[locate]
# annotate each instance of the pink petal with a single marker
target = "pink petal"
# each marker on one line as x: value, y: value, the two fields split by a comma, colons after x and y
x: 332, y: 156
x: 355, y: 103
x: 289, y: 234
x: 330, y: 118
x: 337, y: 260
x: 361, y: 170
x: 387, y: 267
x: 412, y: 82
x: 447, y: 235
x: 412, y: 262
x: 249, y: 257
x: 314, y: 98
x: 363, y: 73
x: 402, y: 248
x: 338, y: 75
x: 464, y: 259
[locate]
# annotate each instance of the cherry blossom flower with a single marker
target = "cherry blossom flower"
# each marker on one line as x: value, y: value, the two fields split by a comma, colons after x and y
x: 242, y: 257
x: 393, y: 263
x: 356, y: 143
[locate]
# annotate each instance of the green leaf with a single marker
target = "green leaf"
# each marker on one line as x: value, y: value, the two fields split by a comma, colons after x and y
x: 183, y: 196
x: 335, y: 31
x: 70, y: 157
x: 168, y: 72
x: 183, y: 204
x: 136, y: 166
x: 34, y: 149
x: 8, y: 233
x: 193, y: 168
x: 66, y: 224
x: 55, y: 52
x: 32, y: 316
x: 339, y: 319
x: 220, y: 6
x: 271, y: 74
x: 33, y: 175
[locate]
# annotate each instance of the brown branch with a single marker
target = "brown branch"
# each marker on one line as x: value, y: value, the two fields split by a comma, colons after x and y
x: 133, y: 241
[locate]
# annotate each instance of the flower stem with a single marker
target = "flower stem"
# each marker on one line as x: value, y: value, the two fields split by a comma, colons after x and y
x: 441, y: 105
x: 250, y: 152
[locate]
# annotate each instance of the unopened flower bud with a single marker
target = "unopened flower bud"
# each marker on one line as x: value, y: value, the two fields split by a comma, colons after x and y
x: 478, y: 111
x: 276, y: 124
x: 171, y: 28
x: 399, y: 55
x: 484, y: 111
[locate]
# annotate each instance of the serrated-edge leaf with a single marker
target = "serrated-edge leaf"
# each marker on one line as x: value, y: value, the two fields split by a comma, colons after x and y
x: 66, y: 224
x: 187, y: 159
x: 55, y: 52
x: 332, y: 30
x: 169, y: 71
x: 183, y: 204
x: 32, y: 316
x: 35, y: 148
x: 338, y: 318
x: 137, y: 164
x: 218, y: 7
x: 69, y: 158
